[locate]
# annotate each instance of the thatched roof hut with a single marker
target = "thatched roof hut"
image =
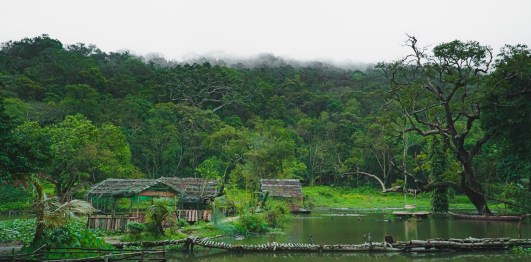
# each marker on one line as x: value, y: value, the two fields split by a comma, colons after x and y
x: 194, y: 189
x: 288, y: 188
x: 129, y: 187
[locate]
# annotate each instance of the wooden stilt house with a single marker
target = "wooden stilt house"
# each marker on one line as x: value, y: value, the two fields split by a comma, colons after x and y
x: 104, y: 195
x: 191, y: 196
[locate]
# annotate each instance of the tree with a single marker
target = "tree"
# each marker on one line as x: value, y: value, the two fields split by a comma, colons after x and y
x: 438, y: 165
x: 507, y: 119
x: 209, y: 87
x: 82, y: 152
x: 170, y: 141
x: 24, y: 150
x: 51, y: 212
x: 441, y: 95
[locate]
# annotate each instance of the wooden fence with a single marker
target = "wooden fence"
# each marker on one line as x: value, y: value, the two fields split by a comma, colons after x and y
x: 110, y: 223
x: 57, y: 254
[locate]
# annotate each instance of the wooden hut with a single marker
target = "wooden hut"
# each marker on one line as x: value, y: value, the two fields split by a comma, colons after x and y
x: 197, y: 193
x: 285, y: 189
x: 134, y: 189
x: 191, y: 194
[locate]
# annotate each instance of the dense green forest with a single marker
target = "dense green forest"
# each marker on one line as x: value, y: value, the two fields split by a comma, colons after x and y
x: 451, y: 118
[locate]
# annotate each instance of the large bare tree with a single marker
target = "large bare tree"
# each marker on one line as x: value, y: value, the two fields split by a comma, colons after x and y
x: 441, y: 94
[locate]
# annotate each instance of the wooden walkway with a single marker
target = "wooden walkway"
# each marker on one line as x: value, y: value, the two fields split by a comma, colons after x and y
x: 430, y: 245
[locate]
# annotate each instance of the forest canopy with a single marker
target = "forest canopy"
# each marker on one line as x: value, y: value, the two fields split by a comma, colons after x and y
x: 449, y: 118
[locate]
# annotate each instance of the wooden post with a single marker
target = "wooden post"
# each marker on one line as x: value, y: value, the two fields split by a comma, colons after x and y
x: 164, y: 252
x: 113, y: 213
x: 142, y: 255
x: 520, y: 229
x: 113, y: 207
x: 131, y: 206
x: 138, y: 208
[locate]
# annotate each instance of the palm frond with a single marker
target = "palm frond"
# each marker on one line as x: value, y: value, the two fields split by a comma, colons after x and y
x: 160, y: 209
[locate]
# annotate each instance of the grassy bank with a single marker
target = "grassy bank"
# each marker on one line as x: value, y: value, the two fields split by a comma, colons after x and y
x: 367, y: 198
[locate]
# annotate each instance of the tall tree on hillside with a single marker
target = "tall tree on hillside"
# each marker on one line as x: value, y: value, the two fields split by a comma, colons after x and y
x: 441, y: 95
x: 509, y: 106
x: 21, y: 153
x: 208, y: 87
x: 83, y: 152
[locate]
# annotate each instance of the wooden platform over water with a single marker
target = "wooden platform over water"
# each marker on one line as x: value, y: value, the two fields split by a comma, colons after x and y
x: 411, y: 213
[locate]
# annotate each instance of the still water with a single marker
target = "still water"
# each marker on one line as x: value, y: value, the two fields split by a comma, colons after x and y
x: 327, y: 229
x: 5, y: 217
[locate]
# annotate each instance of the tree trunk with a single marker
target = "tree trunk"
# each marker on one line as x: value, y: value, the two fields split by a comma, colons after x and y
x: 478, y: 201
x: 39, y: 232
x: 475, y: 191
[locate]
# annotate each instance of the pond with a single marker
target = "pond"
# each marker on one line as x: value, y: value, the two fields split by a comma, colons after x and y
x: 327, y: 229
x: 5, y: 217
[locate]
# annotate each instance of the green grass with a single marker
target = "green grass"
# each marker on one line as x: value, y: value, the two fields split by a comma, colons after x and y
x: 200, y: 229
x: 367, y: 198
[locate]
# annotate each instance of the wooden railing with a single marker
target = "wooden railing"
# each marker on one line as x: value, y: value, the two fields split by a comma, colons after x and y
x: 110, y: 223
x: 56, y: 254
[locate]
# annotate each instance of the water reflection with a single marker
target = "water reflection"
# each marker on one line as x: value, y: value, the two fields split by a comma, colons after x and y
x: 5, y: 217
x: 348, y: 230
x: 362, y: 257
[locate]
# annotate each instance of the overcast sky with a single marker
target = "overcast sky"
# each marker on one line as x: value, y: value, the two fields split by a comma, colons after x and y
x: 359, y: 31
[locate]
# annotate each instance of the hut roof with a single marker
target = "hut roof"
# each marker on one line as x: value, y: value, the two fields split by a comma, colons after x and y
x: 127, y: 187
x: 194, y: 187
x: 282, y: 187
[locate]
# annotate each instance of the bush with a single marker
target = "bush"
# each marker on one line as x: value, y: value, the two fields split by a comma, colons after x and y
x: 136, y: 228
x: 278, y: 214
x: 182, y: 223
x: 251, y: 223
x: 72, y: 234
x: 152, y: 228
x: 13, y: 199
x: 24, y: 230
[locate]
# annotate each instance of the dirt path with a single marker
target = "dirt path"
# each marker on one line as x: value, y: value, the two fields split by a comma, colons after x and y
x: 229, y: 219
x: 7, y: 248
x: 112, y: 240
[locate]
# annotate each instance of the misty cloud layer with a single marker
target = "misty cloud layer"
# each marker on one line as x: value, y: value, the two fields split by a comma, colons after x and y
x: 262, y: 60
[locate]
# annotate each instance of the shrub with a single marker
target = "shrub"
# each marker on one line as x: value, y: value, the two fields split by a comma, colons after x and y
x: 182, y: 223
x: 278, y: 214
x: 136, y: 228
x: 152, y: 228
x: 159, y: 211
x: 251, y: 223
x: 72, y: 234
x: 13, y: 199
x: 20, y: 230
